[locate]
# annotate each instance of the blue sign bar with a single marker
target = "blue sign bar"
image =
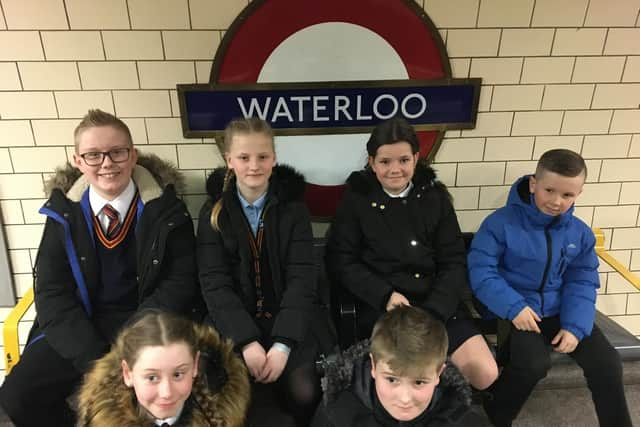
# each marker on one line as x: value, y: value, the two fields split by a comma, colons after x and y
x: 346, y: 106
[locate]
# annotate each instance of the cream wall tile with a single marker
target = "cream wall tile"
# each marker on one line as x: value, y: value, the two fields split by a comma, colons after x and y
x: 598, y: 69
x: 15, y: 133
x: 550, y: 13
x: 602, y: 14
x: 72, y: 45
x: 133, y: 45
x: 37, y: 159
x: 108, y: 75
x: 203, y: 71
x: 19, y: 186
x: 175, y: 103
x: 138, y: 103
x: 585, y: 213
x: 626, y: 238
x: 49, y: 75
x: 505, y: 13
x: 632, y: 69
x: 545, y: 143
x: 443, y: 35
x: 30, y: 207
x: 497, y: 70
x: 625, y: 95
x: 516, y: 97
x: 484, y: 103
x: 194, y: 203
x: 508, y: 148
x: 464, y: 197
x: 54, y: 132
x: 547, y: 70
x: 216, y: 15
x: 167, y: 152
x: 594, y: 167
x: 460, y: 150
x: 9, y: 79
x: 537, y: 123
x: 564, y: 97
x: 23, y: 236
x: 491, y: 124
x: 97, y: 14
x: 622, y: 256
x: 612, y: 304
x: 586, y: 122
x: 35, y: 14
x: 5, y: 161
x: 451, y: 13
x: 198, y: 156
x: 3, y: 24
x: 579, y: 41
x: 635, y: 261
x: 20, y: 261
x: 138, y: 130
x: 195, y: 181
x: 165, y: 75
x: 616, y: 284
x: 190, y: 44
x: 599, y: 194
x: 516, y: 170
x: 20, y: 46
x: 165, y: 14
x: 473, y: 42
x: 634, y: 151
x: 446, y: 173
x: 493, y: 197
x: 620, y: 170
x: 473, y: 174
x: 625, y: 121
x: 622, y: 41
x: 526, y: 42
x: 604, y: 146
x: 11, y: 212
x: 630, y: 193
x: 166, y: 131
x: 22, y: 283
x: 633, y: 303
x: 615, y: 216
x: 76, y: 104
x: 27, y: 105
x: 471, y: 220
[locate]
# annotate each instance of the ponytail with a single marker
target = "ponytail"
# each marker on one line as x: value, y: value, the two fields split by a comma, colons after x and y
x: 217, y: 208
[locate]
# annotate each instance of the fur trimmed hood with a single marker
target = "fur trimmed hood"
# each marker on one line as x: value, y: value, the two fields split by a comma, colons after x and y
x: 365, y: 182
x: 220, y: 395
x: 151, y: 174
x: 286, y: 183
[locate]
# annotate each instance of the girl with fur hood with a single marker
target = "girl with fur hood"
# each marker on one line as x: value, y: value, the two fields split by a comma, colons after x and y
x: 395, y: 240
x: 257, y: 271
x: 165, y: 370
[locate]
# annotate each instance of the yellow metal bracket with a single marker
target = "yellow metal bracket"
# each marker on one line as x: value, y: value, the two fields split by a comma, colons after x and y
x: 10, y: 330
x: 614, y: 263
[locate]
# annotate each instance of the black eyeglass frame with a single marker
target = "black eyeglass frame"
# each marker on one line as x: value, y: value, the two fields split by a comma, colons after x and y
x: 103, y: 155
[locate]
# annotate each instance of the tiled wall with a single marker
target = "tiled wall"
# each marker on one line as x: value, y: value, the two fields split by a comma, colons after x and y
x: 555, y: 74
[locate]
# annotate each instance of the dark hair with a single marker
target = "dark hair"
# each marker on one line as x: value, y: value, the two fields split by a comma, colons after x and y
x: 563, y: 162
x: 392, y: 131
x: 409, y: 340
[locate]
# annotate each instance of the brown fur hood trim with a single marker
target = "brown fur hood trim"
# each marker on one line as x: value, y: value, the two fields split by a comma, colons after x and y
x: 151, y: 174
x: 220, y: 395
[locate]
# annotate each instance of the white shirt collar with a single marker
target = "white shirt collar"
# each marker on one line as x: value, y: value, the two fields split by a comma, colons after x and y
x: 171, y: 420
x: 403, y: 193
x: 121, y: 203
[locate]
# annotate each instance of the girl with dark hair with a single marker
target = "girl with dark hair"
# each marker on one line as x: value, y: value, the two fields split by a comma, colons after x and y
x: 395, y: 240
x: 165, y: 370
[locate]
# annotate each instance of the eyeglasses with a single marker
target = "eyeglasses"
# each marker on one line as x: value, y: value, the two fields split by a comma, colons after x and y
x: 95, y: 158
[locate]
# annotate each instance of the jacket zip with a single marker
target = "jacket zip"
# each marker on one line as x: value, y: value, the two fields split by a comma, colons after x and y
x: 547, y: 236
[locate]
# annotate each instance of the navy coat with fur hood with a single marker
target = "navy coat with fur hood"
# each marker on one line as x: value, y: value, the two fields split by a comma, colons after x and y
x: 350, y: 398
x: 225, y: 259
x: 413, y: 245
x: 67, y: 270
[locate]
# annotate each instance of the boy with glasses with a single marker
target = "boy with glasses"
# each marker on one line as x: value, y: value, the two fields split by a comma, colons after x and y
x: 116, y: 240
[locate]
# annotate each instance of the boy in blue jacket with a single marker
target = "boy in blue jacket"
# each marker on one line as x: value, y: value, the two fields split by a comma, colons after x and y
x: 532, y: 262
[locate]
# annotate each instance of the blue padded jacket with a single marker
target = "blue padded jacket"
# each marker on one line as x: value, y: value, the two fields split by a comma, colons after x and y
x: 521, y: 257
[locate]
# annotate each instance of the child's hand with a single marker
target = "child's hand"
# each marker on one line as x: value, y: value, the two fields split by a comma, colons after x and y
x: 527, y: 320
x: 255, y: 359
x: 276, y: 361
x: 564, y: 342
x: 396, y: 299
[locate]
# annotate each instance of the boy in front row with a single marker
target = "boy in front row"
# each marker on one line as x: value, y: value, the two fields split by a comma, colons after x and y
x: 116, y: 239
x: 399, y: 379
x: 532, y: 262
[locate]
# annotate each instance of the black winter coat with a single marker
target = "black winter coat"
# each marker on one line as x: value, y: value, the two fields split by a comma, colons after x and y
x: 350, y: 398
x: 225, y: 259
x: 67, y: 273
x: 378, y: 244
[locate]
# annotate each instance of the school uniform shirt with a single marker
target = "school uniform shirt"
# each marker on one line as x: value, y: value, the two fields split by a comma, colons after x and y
x: 378, y: 244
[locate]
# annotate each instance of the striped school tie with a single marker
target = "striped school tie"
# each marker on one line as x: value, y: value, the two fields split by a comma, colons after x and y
x: 114, y: 221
